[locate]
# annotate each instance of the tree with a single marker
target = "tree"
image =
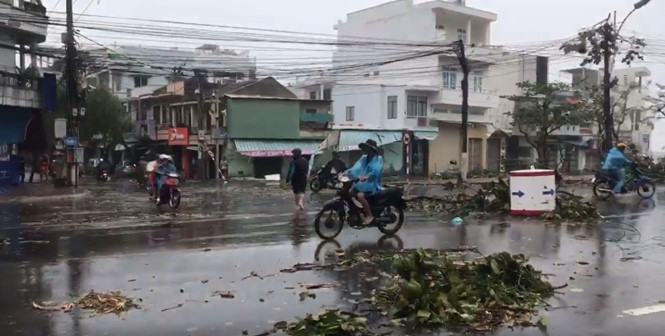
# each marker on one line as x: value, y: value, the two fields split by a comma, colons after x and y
x: 541, y: 110
x: 105, y: 116
x: 602, y: 43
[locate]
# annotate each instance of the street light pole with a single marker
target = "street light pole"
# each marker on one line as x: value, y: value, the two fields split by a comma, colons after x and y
x: 71, y: 75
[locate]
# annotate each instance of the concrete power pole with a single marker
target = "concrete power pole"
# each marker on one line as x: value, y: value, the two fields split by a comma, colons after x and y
x: 71, y: 75
x: 464, y: 64
x: 203, y: 162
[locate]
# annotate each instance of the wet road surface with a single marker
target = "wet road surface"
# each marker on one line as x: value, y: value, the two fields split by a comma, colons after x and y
x: 114, y: 239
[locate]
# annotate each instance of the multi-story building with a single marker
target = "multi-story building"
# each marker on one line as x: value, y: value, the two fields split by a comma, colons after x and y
x: 25, y: 93
x: 423, y: 95
x: 254, y: 124
x: 633, y: 117
x: 123, y: 69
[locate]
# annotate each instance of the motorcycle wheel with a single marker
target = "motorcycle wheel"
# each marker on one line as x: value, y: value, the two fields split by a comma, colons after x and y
x: 174, y: 200
x: 646, y: 190
x: 602, y: 189
x: 392, y: 228
x: 315, y: 185
x: 328, y: 224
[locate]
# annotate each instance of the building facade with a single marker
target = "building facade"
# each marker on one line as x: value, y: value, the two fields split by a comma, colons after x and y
x: 252, y: 124
x: 401, y: 96
x: 25, y: 92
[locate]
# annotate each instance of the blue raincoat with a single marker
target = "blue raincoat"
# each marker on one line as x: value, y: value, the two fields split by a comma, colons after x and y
x: 373, y: 169
x: 615, y: 160
x: 614, y: 164
x: 162, y: 171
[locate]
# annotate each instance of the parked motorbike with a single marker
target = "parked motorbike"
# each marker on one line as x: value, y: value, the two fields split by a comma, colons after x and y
x: 170, y: 193
x: 387, y: 208
x: 322, y: 180
x: 604, y: 182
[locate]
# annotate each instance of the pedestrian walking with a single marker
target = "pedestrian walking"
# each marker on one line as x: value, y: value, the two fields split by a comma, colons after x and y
x: 297, y: 177
x: 224, y: 168
x: 43, y: 168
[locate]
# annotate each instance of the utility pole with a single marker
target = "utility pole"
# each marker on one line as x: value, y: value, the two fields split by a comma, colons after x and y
x: 464, y: 64
x: 201, y: 129
x: 71, y: 74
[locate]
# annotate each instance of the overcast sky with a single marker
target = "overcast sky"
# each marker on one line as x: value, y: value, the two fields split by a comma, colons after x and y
x: 518, y: 20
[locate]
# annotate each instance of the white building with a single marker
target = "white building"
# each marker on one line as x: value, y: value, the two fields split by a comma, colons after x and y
x: 630, y: 97
x: 125, y: 68
x: 424, y: 94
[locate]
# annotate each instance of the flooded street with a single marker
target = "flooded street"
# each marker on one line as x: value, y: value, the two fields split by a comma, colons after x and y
x: 237, y: 238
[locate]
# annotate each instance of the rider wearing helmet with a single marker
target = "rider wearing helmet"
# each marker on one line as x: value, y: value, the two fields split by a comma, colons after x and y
x: 166, y: 166
x: 615, y: 162
x: 368, y: 170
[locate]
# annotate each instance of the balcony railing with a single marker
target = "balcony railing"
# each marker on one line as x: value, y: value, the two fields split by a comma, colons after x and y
x: 319, y: 118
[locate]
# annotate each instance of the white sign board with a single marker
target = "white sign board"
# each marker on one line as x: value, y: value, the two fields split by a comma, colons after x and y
x: 60, y: 128
x: 532, y: 192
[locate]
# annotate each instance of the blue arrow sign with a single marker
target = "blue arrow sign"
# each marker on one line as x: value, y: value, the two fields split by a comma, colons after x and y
x: 549, y: 192
x: 519, y: 193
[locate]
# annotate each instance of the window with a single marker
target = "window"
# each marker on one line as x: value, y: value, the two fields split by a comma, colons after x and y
x: 350, y: 113
x: 140, y: 81
x: 449, y: 79
x: 461, y: 35
x: 477, y: 81
x: 312, y: 95
x: 310, y: 111
x: 392, y: 107
x: 327, y: 95
x: 416, y: 106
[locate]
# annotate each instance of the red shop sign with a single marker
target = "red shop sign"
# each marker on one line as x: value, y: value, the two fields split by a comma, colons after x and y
x: 178, y: 136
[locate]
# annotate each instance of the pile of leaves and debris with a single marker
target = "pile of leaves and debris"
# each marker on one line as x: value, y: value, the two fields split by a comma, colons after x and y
x: 457, y: 289
x: 328, y: 323
x: 100, y: 303
x: 433, y: 290
x: 493, y: 198
x: 573, y: 208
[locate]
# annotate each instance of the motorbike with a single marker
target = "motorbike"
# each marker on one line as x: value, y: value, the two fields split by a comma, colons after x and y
x: 170, y: 193
x: 604, y: 182
x: 104, y: 176
x: 387, y: 206
x: 319, y: 181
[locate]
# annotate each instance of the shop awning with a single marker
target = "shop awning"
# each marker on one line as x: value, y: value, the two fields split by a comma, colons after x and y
x: 13, y: 124
x: 275, y: 148
x: 426, y: 135
x: 349, y: 139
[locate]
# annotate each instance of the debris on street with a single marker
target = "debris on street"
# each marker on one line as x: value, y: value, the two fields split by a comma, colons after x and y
x: 432, y: 290
x: 491, y: 199
x: 101, y: 303
x: 49, y: 306
x: 573, y: 208
x: 328, y: 323
x: 106, y: 303
x: 224, y: 294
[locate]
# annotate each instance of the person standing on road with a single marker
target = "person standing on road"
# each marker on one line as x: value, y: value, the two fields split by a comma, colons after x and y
x: 44, y: 169
x: 297, y: 177
x: 224, y: 168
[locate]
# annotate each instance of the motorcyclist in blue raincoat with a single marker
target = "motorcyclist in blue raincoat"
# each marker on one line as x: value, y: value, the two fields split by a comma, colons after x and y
x: 368, y: 170
x: 615, y: 162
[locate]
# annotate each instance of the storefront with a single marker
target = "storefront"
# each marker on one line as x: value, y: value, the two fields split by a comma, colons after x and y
x: 259, y: 158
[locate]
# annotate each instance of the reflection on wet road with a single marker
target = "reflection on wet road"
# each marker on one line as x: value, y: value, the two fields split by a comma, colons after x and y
x: 116, y: 240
